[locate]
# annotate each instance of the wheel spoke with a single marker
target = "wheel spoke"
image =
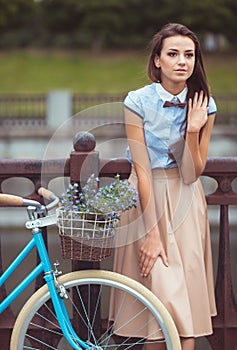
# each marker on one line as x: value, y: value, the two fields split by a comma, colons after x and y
x: 137, y: 314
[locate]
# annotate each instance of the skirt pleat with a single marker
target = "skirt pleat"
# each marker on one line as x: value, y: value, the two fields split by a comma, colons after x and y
x: 186, y: 286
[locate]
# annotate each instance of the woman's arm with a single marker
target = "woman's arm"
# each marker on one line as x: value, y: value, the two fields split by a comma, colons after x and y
x: 152, y: 247
x: 141, y: 163
x: 197, y: 140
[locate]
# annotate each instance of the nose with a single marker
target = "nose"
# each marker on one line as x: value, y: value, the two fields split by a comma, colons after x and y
x: 182, y: 60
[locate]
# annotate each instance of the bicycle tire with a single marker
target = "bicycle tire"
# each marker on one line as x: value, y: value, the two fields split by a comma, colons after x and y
x: 29, y: 321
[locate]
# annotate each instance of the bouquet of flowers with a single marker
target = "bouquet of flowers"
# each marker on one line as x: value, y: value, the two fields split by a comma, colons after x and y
x: 91, y: 216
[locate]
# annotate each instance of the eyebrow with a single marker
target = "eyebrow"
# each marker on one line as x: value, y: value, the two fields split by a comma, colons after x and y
x: 189, y: 50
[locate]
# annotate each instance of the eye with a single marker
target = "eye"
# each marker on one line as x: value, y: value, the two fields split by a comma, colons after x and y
x: 189, y: 55
x: 172, y: 54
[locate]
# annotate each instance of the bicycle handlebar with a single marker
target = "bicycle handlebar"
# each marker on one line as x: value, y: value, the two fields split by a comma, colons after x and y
x: 47, y: 194
x: 9, y: 199
x: 17, y: 201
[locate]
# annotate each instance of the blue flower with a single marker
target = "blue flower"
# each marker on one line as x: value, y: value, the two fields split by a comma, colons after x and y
x: 114, y: 198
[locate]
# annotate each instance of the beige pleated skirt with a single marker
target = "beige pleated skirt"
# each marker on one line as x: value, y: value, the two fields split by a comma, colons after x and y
x: 186, y: 286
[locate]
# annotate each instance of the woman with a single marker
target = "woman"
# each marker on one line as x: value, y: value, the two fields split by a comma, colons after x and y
x: 168, y: 126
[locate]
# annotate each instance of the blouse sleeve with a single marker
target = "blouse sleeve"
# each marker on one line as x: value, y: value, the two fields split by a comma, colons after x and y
x: 134, y: 104
x: 211, y: 106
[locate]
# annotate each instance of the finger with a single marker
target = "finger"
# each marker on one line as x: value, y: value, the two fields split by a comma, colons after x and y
x: 205, y: 102
x: 195, y: 99
x: 200, y: 99
x: 143, y: 261
x: 142, y: 258
x: 190, y: 106
x: 190, y: 103
x: 148, y: 264
x: 146, y: 269
x: 164, y: 259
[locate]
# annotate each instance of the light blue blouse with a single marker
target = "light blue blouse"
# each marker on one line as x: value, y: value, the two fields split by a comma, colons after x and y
x: 163, y: 127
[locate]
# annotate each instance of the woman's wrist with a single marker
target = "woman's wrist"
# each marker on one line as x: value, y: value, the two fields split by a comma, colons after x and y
x: 154, y: 233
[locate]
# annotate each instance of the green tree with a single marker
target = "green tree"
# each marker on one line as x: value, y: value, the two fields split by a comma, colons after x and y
x: 15, y: 13
x: 209, y: 15
x: 16, y: 22
x: 101, y: 24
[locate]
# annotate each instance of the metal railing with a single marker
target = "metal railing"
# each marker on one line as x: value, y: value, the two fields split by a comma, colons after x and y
x: 21, y: 110
x: 85, y: 160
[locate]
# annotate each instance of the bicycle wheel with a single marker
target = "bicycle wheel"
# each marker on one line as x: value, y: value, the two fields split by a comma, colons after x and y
x: 90, y: 293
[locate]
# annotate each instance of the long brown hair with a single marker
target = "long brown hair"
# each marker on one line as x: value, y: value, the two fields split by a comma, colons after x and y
x: 198, y: 80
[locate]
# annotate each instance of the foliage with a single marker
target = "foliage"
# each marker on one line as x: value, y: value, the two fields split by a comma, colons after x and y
x: 15, y: 13
x: 108, y: 200
x: 99, y: 24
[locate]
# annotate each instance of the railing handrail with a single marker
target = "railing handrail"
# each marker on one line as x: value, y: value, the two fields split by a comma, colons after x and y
x: 86, y: 159
x: 14, y: 107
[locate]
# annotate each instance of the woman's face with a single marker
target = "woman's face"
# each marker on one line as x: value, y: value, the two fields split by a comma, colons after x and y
x: 176, y: 60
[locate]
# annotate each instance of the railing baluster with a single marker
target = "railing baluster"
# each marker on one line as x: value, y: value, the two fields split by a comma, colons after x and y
x: 224, y: 170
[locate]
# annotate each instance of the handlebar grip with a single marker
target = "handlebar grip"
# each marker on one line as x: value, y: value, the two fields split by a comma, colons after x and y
x: 46, y: 193
x: 11, y: 200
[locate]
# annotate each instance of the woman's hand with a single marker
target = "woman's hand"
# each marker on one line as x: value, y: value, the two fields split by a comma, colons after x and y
x: 197, y: 112
x: 150, y: 250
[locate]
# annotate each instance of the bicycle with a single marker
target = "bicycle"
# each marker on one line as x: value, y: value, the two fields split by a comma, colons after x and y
x: 57, y: 314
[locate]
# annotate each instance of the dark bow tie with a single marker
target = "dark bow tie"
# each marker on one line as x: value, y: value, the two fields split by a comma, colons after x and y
x: 176, y: 104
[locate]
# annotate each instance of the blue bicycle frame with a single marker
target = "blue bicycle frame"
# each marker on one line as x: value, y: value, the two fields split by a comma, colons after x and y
x: 44, y: 266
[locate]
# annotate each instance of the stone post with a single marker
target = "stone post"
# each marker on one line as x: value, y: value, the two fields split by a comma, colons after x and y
x: 84, y: 161
x: 59, y: 108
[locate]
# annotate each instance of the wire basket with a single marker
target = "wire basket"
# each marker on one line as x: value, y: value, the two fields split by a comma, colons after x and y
x: 86, y: 236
